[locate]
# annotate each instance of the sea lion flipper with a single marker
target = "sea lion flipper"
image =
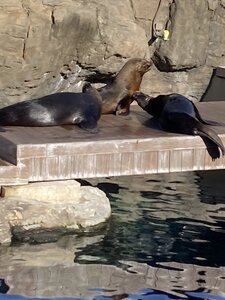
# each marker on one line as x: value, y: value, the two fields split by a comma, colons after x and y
x: 124, y: 101
x: 185, y: 123
x: 205, y: 131
x: 90, y: 125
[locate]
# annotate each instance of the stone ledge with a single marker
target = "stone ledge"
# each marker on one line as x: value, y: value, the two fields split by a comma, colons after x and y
x: 65, y: 191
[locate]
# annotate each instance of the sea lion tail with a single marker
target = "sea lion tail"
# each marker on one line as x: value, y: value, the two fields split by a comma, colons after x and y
x: 205, y: 131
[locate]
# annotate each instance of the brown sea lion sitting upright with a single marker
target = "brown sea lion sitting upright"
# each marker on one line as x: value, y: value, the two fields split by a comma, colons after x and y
x: 117, y: 96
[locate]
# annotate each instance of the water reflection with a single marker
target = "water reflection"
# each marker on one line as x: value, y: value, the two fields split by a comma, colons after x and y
x: 166, y: 218
x: 164, y: 241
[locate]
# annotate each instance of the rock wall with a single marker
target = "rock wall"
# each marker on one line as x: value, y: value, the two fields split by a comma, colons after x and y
x: 52, y: 45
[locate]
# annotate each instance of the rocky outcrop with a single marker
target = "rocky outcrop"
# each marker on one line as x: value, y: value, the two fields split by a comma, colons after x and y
x: 195, y: 47
x: 41, y: 212
x: 187, y: 45
x: 51, y: 45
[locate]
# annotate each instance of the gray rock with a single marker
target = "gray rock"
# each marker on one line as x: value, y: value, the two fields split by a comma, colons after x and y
x: 41, y: 221
x: 189, y: 37
x: 64, y: 191
x: 5, y: 231
x: 191, y: 84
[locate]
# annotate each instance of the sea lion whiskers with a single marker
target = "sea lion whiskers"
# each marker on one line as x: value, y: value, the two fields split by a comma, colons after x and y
x: 141, y: 98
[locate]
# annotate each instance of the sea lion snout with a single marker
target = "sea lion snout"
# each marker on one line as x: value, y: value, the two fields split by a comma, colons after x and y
x: 137, y: 95
x: 86, y: 87
x: 141, y: 98
x: 145, y: 65
x: 148, y: 64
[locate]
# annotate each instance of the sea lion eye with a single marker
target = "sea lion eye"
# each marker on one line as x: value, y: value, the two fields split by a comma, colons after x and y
x: 195, y: 131
x: 140, y: 67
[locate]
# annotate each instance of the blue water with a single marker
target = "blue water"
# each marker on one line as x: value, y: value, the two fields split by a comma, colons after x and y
x: 147, y: 294
x: 165, y: 240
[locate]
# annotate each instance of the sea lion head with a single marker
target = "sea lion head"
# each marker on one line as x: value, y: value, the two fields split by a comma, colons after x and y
x: 141, y: 98
x: 139, y: 65
x: 142, y: 65
x: 86, y: 87
x: 89, y: 89
x: 153, y: 105
x: 130, y: 76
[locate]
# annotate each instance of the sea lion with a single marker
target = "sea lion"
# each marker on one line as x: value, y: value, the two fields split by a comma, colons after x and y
x: 3, y: 286
x: 177, y: 113
x: 83, y: 109
x: 116, y: 96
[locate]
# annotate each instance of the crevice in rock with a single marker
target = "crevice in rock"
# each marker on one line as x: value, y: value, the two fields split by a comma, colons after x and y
x: 222, y: 3
x: 172, y: 11
x: 26, y: 9
x: 184, y: 69
x: 98, y: 77
x: 24, y: 43
x: 166, y: 66
x: 100, y: 33
x: 119, y: 56
x: 53, y: 17
x: 95, y: 76
x: 132, y: 5
x: 133, y: 9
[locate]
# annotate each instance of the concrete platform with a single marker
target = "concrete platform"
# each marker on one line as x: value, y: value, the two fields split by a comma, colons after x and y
x: 123, y: 146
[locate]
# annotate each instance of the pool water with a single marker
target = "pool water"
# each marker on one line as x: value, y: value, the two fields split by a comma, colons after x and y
x: 165, y: 240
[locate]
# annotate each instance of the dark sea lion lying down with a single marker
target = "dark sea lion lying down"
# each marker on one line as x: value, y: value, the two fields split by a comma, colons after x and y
x: 177, y: 113
x: 83, y: 109
x: 116, y: 96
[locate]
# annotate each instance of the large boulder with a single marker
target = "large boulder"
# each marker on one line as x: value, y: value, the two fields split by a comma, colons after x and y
x: 189, y: 37
x: 40, y: 212
x: 196, y: 44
